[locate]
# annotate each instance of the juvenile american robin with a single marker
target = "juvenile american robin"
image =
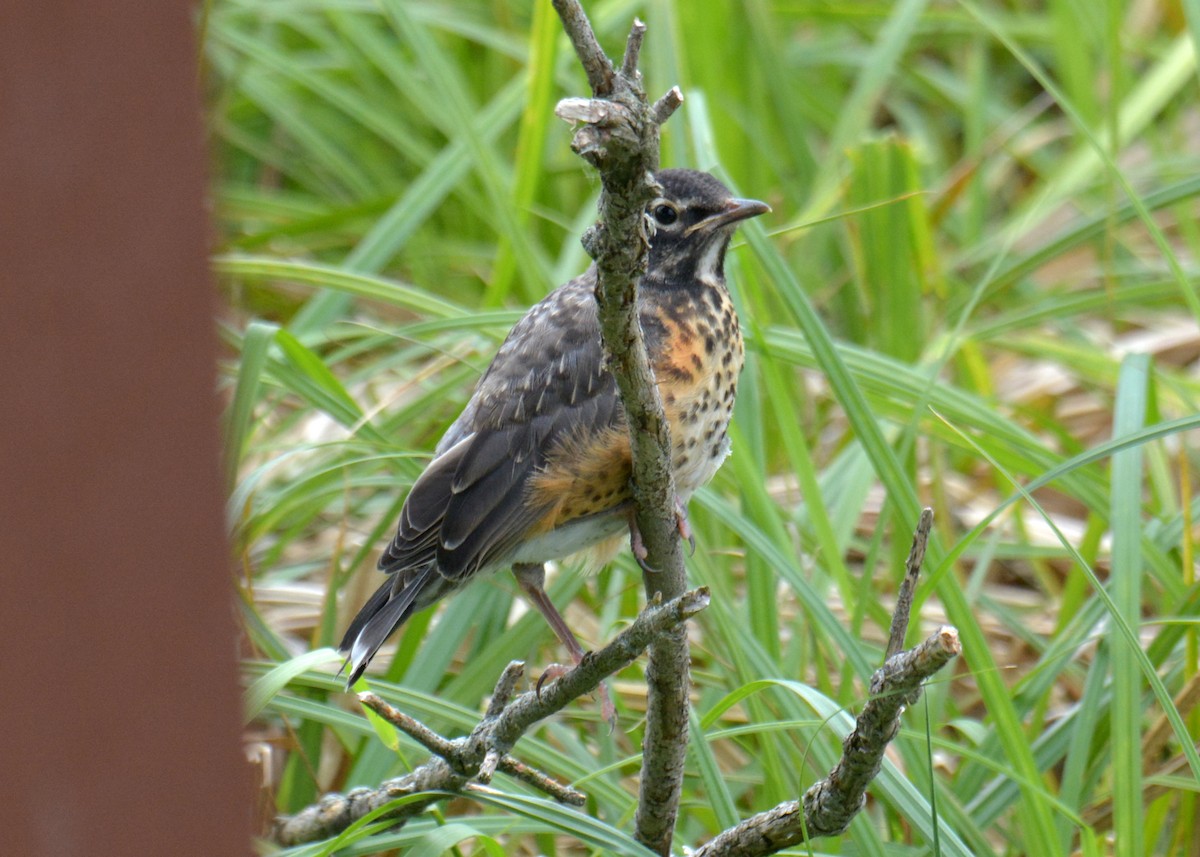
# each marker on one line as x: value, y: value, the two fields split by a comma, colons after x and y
x: 537, y: 467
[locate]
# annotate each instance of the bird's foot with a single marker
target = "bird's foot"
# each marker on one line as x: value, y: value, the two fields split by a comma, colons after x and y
x: 639, y: 547
x: 607, y: 710
x: 682, y: 526
x: 554, y: 672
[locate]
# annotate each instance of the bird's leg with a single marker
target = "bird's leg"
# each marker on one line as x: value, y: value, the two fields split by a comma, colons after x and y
x: 682, y: 526
x: 531, y: 577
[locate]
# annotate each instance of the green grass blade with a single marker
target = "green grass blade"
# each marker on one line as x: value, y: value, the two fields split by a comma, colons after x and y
x: 1127, y: 706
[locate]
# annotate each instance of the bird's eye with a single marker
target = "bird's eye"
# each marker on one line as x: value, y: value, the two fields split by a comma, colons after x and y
x: 665, y: 214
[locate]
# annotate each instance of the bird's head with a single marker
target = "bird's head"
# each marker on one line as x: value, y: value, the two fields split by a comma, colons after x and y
x: 693, y: 221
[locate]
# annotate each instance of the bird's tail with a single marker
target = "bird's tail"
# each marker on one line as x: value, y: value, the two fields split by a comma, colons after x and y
x: 384, y: 612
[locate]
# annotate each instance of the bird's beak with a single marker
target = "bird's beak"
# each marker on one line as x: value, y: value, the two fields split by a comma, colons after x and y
x: 734, y: 211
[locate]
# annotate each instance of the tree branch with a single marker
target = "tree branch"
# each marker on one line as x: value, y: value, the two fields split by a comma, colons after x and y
x: 459, y: 762
x: 828, y: 807
x: 620, y: 139
x: 832, y: 803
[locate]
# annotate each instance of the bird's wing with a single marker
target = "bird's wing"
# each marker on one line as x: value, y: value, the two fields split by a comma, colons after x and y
x: 545, y: 390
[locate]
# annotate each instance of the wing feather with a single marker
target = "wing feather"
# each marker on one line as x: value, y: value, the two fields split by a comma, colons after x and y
x: 470, y: 508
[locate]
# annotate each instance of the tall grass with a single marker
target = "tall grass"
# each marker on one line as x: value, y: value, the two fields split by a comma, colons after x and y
x: 978, y: 291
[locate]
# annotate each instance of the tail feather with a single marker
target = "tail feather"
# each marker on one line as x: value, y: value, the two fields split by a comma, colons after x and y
x: 383, y: 613
x: 374, y: 605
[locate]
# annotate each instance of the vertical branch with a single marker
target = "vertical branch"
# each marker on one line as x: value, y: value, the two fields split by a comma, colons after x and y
x: 620, y: 138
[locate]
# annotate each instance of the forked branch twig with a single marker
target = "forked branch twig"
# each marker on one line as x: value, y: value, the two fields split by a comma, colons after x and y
x: 457, y: 763
x: 828, y: 806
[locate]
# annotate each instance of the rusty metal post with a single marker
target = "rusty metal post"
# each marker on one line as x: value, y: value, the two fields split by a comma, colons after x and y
x: 119, y: 706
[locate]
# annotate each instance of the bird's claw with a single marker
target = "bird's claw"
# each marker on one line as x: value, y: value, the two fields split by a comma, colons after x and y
x: 553, y: 672
x: 684, y: 526
x: 639, y: 547
x: 639, y: 554
x: 607, y: 710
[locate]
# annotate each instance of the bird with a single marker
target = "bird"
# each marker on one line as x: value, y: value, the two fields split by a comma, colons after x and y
x: 537, y: 467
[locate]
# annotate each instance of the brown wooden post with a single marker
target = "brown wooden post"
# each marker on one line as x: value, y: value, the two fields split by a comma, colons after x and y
x: 119, y: 706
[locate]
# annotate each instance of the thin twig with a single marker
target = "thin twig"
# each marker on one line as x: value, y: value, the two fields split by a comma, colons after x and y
x: 667, y: 105
x: 532, y: 776
x: 595, y: 62
x: 487, y: 768
x: 912, y: 570
x: 414, y: 729
x: 633, y: 50
x: 505, y: 688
